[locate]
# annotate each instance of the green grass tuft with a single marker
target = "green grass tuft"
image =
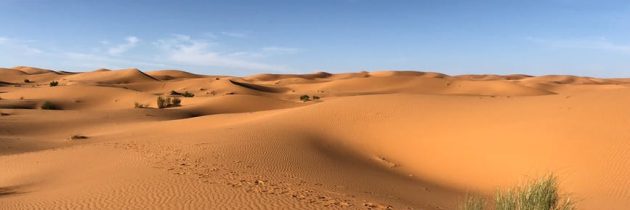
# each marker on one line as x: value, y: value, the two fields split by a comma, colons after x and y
x: 50, y: 106
x: 540, y: 194
x: 473, y: 202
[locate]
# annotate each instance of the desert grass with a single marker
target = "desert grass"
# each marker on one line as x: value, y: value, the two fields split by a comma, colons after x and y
x: 49, y: 106
x: 473, y: 202
x: 538, y: 194
x: 140, y: 106
x: 165, y: 102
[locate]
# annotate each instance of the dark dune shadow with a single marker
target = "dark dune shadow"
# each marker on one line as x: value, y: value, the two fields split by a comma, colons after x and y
x: 259, y: 87
x: 7, y: 191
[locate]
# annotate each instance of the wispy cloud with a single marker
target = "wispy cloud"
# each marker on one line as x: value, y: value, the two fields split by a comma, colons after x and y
x: 175, y: 51
x: 131, y: 42
x: 94, y: 61
x: 19, y: 46
x: 184, y: 50
x: 234, y: 34
x: 584, y: 43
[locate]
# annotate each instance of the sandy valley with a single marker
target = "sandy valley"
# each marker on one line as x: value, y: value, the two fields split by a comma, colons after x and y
x: 365, y: 140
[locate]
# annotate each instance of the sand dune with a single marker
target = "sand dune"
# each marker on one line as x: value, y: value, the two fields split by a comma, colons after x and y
x: 110, y: 77
x: 172, y: 74
x: 373, y: 140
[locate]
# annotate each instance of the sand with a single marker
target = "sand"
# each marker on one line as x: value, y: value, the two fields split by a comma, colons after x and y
x: 373, y: 140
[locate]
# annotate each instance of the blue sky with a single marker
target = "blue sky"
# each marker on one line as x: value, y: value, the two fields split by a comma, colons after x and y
x: 298, y: 36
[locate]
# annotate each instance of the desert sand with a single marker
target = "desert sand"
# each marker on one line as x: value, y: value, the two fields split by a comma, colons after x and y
x: 373, y: 140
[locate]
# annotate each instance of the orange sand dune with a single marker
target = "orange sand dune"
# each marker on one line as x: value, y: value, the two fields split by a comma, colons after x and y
x: 372, y: 140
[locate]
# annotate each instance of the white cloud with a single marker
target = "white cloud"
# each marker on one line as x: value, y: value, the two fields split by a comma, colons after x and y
x: 184, y: 50
x: 234, y: 34
x: 131, y: 42
x: 19, y: 46
x: 176, y: 51
x: 591, y: 44
x: 94, y: 61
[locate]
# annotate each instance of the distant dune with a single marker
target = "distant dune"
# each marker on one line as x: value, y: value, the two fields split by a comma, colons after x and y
x: 364, y: 140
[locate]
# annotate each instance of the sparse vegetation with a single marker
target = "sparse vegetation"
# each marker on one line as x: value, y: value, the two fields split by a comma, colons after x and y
x: 165, y: 102
x: 305, y: 98
x: 78, y: 137
x: 185, y: 94
x: 4, y: 114
x: 27, y: 81
x: 49, y: 106
x: 315, y: 97
x: 140, y: 106
x: 473, y: 202
x: 188, y: 94
x: 53, y: 83
x: 176, y: 101
x: 541, y: 194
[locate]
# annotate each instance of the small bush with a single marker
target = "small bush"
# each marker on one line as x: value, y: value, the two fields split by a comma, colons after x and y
x: 176, y: 101
x: 78, y: 137
x: 139, y: 105
x: 49, y: 106
x: 27, y: 81
x: 161, y: 102
x: 305, y: 98
x: 188, y: 94
x: 315, y: 97
x: 185, y: 94
x: 165, y: 102
x: 53, y: 83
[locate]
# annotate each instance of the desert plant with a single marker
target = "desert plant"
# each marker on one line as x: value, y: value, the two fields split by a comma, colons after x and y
x: 305, y: 98
x: 165, y: 102
x: 185, y: 94
x: 188, y: 94
x: 49, y: 105
x: 139, y: 105
x: 78, y: 137
x: 540, y: 194
x: 27, y: 81
x: 473, y: 202
x: 315, y: 97
x: 176, y: 101
x: 161, y: 102
x: 53, y: 83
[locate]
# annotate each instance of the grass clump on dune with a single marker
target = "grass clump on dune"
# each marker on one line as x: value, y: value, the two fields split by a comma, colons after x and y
x: 165, y: 102
x: 185, y: 94
x: 540, y: 194
x: 53, y: 83
x: 49, y: 106
x: 473, y: 202
x: 140, y: 106
x: 305, y: 98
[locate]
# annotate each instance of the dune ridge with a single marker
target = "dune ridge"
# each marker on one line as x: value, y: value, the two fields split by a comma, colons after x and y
x: 361, y: 140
